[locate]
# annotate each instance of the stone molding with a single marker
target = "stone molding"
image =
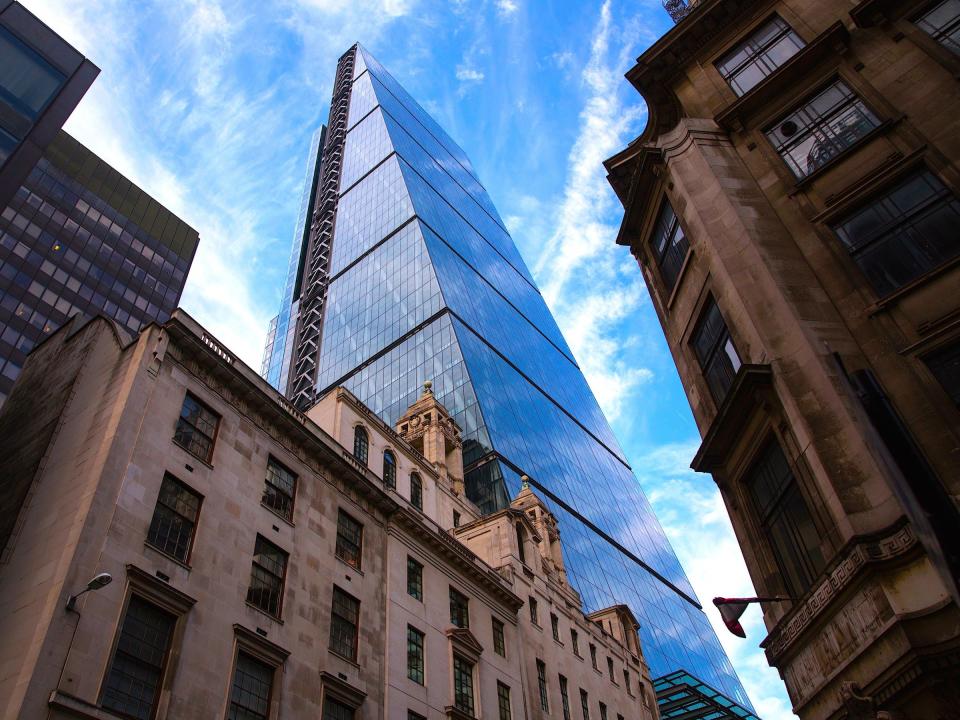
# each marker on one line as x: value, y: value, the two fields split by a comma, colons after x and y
x: 897, y: 543
x: 341, y: 690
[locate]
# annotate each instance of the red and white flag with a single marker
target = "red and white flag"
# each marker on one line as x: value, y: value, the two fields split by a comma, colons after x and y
x: 732, y: 608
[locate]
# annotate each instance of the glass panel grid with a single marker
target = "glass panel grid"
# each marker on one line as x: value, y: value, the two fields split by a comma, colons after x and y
x: 267, y: 576
x: 503, y: 701
x: 174, y: 518
x: 759, y: 55
x: 715, y: 352
x: 250, y: 694
x: 280, y: 489
x: 669, y: 244
x: 459, y: 609
x: 345, y: 617
x: 463, y: 685
x: 196, y: 428
x: 942, y: 23
x: 349, y: 540
x: 414, y: 579
x: 415, y: 654
x: 542, y: 685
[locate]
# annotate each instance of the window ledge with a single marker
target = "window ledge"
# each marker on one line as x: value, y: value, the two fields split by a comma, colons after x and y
x: 344, y: 658
x: 355, y: 569
x: 79, y: 708
x: 263, y: 612
x: 828, y: 45
x: 150, y: 546
x: 291, y: 523
x: 870, y: 13
x: 898, y: 294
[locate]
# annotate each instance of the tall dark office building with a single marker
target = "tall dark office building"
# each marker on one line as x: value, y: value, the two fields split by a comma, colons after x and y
x: 75, y: 235
x: 408, y: 274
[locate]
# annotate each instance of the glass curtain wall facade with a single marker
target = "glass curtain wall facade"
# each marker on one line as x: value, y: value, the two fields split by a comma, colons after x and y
x: 420, y: 280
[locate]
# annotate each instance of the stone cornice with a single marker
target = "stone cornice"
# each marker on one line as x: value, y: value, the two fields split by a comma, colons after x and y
x: 208, y: 359
x: 886, y: 546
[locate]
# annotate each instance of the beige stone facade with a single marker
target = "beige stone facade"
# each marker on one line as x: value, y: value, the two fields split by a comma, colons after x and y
x: 808, y: 291
x: 264, y: 563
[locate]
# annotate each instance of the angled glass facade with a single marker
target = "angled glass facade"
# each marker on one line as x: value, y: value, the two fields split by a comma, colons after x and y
x: 421, y: 281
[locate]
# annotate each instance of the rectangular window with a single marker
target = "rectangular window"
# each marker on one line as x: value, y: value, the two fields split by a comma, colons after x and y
x: 416, y: 491
x: 267, y: 576
x: 822, y: 127
x: 459, y: 609
x: 945, y: 366
x: 593, y: 656
x: 27, y: 81
x: 626, y: 682
x: 715, y: 351
x: 349, y: 539
x: 463, y: 685
x: 499, y: 646
x: 174, y: 519
x: 503, y: 701
x: 585, y: 704
x: 250, y: 694
x: 139, y: 661
x: 555, y: 626
x: 280, y: 488
x: 196, y: 428
x: 603, y: 712
x: 344, y: 620
x: 456, y: 519
x: 336, y: 710
x: 610, y: 670
x: 575, y: 642
x: 565, y: 697
x: 414, y: 579
x: 534, y: 613
x: 758, y: 57
x: 415, y: 654
x: 669, y: 245
x: 942, y: 23
x: 542, y: 685
x: 785, y: 519
x: 904, y: 233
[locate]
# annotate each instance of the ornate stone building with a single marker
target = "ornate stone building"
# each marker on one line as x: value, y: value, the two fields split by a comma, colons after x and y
x: 267, y: 563
x: 793, y: 206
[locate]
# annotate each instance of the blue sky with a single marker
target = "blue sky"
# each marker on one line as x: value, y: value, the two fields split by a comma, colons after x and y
x: 209, y: 105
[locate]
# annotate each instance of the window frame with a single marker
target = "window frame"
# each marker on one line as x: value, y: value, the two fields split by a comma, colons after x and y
x: 390, y: 469
x: 355, y: 624
x: 565, y: 696
x: 455, y: 597
x: 181, y: 419
x: 593, y: 657
x: 668, y: 283
x: 534, y: 609
x: 717, y: 352
x: 233, y: 682
x: 575, y: 642
x: 498, y: 629
x: 412, y: 563
x: 585, y: 704
x: 416, y: 498
x: 555, y: 627
x: 938, y: 359
x: 542, y: 688
x: 282, y: 578
x: 465, y: 670
x: 917, y: 17
x: 267, y: 485
x: 361, y: 444
x: 747, y: 38
x: 417, y: 669
x: 504, y: 708
x: 185, y: 560
x: 344, y: 544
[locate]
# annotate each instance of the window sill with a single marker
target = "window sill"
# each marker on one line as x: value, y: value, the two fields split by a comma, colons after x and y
x: 263, y: 612
x: 196, y: 457
x: 176, y: 561
x: 274, y: 512
x: 897, y: 295
x: 350, y: 661
x: 354, y: 568
x: 80, y: 708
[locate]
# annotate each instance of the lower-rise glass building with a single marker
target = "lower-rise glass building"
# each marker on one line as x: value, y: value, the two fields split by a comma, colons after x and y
x: 403, y: 271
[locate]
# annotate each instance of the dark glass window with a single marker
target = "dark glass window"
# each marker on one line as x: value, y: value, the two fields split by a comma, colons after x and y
x: 521, y: 542
x: 133, y: 683
x: 174, y: 518
x: 499, y: 645
x: 27, y: 81
x: 593, y: 656
x: 459, y: 609
x: 942, y: 22
x: 575, y: 642
x: 534, y: 611
x: 669, y: 245
x: 361, y: 444
x: 266, y: 577
x: 389, y: 469
x: 715, y: 352
x: 503, y: 701
x: 945, y: 366
x: 344, y: 619
x: 904, y: 233
x: 349, y: 539
x: 585, y: 704
x: 336, y: 710
x: 279, y: 489
x: 7, y: 143
x: 252, y: 683
x: 414, y: 579
x: 565, y: 697
x: 626, y: 682
x: 416, y: 491
x: 456, y: 519
x: 785, y: 519
x: 542, y: 685
x: 196, y: 428
x: 821, y: 128
x: 610, y: 669
x: 415, y: 654
x: 759, y: 55
x: 603, y: 712
x: 463, y: 685
x: 555, y: 626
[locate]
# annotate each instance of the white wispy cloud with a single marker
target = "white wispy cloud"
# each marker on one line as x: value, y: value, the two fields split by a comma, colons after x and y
x: 468, y: 74
x: 507, y: 7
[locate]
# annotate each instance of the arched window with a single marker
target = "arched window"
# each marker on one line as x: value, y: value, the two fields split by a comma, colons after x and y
x: 361, y: 444
x: 389, y: 469
x: 521, y: 537
x: 416, y: 491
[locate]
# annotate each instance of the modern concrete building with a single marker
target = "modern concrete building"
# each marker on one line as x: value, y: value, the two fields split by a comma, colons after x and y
x: 792, y: 204
x: 75, y: 235
x: 271, y: 564
x: 402, y: 271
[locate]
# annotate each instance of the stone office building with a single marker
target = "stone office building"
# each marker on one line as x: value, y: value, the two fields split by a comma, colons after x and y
x: 793, y: 206
x: 271, y: 564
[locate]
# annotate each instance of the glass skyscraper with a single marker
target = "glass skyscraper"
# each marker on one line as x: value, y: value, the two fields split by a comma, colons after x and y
x: 403, y: 271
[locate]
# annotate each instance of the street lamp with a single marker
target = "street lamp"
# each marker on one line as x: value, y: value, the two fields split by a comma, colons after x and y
x: 98, y: 581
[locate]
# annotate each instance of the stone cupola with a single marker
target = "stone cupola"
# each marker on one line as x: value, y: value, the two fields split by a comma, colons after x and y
x: 429, y: 428
x: 545, y: 523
